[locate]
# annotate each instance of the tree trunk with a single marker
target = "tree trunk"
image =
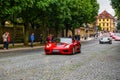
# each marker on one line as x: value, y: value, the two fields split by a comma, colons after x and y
x: 62, y: 32
x: 44, y: 30
x: 73, y: 31
x: 56, y: 30
x: 26, y: 33
x: 66, y: 34
x: 3, y: 23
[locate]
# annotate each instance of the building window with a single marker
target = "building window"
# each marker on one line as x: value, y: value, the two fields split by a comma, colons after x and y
x: 103, y: 24
x: 102, y: 28
x: 99, y: 19
x: 107, y: 24
x: 99, y: 24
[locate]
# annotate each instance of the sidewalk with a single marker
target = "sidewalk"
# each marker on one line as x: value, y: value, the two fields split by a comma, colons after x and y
x: 30, y: 48
x: 21, y: 47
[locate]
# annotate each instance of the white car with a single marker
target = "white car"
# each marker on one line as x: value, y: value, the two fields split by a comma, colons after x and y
x: 105, y: 40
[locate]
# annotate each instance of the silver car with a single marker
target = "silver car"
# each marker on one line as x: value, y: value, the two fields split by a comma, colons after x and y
x: 105, y: 40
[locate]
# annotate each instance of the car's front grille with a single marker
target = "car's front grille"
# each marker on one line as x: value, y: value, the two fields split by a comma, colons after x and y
x: 65, y: 50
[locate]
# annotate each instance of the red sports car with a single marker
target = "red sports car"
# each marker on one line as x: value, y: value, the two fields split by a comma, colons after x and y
x: 63, y: 46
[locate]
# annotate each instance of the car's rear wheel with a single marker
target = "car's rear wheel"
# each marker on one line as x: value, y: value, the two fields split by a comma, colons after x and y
x: 99, y: 42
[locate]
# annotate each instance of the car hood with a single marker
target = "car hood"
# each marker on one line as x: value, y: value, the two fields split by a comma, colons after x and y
x: 60, y: 45
x: 105, y: 39
x: 57, y: 45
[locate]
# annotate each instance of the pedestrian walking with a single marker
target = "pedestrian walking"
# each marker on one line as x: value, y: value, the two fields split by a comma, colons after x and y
x: 52, y: 38
x: 49, y: 38
x: 32, y: 38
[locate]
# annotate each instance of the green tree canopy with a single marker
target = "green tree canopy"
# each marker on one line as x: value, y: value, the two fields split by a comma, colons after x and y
x: 99, y: 28
x: 116, y: 6
x: 118, y: 26
x: 57, y: 14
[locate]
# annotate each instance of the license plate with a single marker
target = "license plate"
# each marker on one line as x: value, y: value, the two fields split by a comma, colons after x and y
x: 55, y: 50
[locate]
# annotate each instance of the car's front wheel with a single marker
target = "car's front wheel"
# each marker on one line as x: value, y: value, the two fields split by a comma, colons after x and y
x: 110, y: 42
x: 73, y: 50
x: 80, y: 49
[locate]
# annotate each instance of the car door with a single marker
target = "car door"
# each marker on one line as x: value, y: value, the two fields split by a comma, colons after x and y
x: 76, y: 46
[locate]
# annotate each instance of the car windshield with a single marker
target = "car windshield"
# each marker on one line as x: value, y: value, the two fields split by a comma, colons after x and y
x: 66, y: 40
x: 105, y: 38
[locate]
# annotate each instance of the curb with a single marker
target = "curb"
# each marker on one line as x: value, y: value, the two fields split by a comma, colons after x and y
x: 18, y: 49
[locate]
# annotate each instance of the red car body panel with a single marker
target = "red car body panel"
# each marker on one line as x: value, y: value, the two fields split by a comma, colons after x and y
x: 62, y: 48
x: 111, y: 34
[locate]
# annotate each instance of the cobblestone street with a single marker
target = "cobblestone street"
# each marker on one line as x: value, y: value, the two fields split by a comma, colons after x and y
x: 59, y: 39
x: 96, y: 62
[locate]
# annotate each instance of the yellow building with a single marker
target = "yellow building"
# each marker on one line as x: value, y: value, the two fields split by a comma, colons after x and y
x: 105, y: 21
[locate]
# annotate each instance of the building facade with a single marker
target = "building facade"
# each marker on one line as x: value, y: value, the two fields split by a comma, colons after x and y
x: 106, y: 21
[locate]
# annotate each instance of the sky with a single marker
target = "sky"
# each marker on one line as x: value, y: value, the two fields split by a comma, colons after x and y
x: 105, y: 5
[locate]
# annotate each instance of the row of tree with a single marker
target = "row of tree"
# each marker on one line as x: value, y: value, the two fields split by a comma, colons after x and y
x: 116, y: 6
x: 57, y: 14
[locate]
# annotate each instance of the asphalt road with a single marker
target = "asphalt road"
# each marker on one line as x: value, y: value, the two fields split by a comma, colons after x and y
x: 96, y: 62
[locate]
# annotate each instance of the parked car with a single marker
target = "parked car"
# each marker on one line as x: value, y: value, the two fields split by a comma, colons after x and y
x: 117, y: 38
x: 63, y: 46
x: 105, y: 40
x: 113, y: 36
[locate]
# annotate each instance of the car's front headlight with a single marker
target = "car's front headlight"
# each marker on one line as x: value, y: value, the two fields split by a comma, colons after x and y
x: 49, y: 45
x: 67, y: 46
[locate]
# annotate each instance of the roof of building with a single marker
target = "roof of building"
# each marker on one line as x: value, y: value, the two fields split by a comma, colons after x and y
x: 105, y: 14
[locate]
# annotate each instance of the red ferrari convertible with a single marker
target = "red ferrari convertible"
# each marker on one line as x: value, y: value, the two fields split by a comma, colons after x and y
x: 63, y: 46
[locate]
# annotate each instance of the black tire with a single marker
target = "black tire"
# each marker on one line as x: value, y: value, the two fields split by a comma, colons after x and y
x: 80, y: 50
x: 73, y: 50
x: 110, y: 42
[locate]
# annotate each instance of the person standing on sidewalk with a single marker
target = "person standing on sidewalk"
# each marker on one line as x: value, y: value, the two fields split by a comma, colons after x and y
x: 32, y: 38
x: 8, y: 39
x: 5, y: 36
